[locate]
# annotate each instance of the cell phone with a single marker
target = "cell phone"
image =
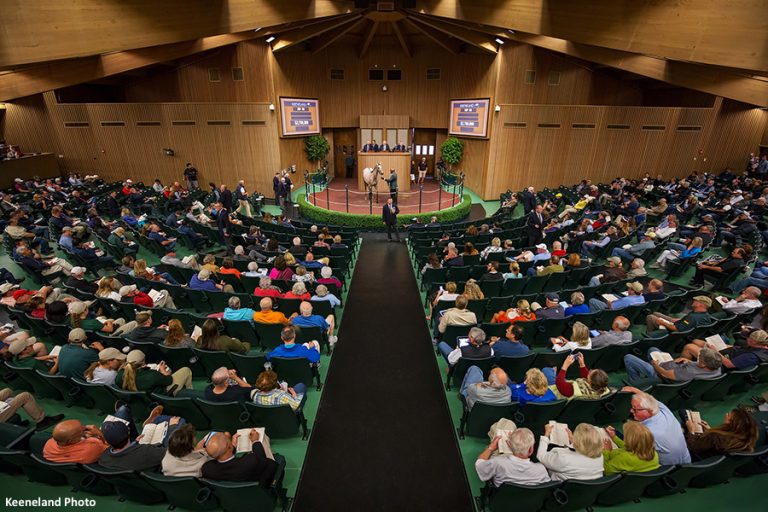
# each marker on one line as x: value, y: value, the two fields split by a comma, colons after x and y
x: 594, y: 333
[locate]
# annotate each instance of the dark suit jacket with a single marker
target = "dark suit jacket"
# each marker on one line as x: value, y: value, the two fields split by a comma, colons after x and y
x: 529, y: 201
x: 222, y: 220
x: 533, y: 224
x: 367, y: 148
x: 250, y: 467
x: 226, y: 199
x: 387, y: 215
x: 385, y: 147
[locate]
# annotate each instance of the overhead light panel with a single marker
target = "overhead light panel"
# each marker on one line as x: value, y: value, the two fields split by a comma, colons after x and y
x: 499, y: 40
x: 510, y: 31
x: 270, y: 39
x: 257, y: 29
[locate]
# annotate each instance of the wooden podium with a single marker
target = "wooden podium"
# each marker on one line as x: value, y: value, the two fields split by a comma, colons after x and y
x: 400, y: 162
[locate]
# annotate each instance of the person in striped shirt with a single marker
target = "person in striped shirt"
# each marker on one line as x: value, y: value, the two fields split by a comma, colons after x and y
x: 269, y: 391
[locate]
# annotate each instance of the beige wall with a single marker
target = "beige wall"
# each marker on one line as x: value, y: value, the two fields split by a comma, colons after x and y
x: 511, y: 158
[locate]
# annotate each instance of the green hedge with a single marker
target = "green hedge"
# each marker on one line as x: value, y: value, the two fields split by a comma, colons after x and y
x: 374, y: 222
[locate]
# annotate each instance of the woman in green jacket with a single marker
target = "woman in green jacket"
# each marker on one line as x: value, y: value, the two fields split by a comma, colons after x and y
x: 635, y: 453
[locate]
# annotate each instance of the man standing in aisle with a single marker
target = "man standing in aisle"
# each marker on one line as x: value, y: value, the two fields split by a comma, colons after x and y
x: 241, y: 195
x: 392, y: 182
x: 349, y: 162
x: 389, y: 215
x: 190, y: 174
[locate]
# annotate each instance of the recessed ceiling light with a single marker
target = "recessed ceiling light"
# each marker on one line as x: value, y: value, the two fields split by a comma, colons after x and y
x: 270, y: 39
x: 499, y: 40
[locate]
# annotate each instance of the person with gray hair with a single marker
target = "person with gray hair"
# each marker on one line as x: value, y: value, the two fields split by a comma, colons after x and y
x: 618, y: 335
x: 493, y: 391
x: 472, y: 347
x: 637, y: 269
x: 516, y: 468
x: 266, y: 288
x: 668, y: 436
x: 322, y: 294
x: 236, y: 313
x: 747, y: 300
x: 227, y: 386
x: 307, y: 319
x: 326, y: 277
x: 253, y: 270
x: 641, y: 373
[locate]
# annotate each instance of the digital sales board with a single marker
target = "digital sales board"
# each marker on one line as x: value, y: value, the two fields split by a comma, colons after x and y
x: 469, y: 118
x: 300, y: 116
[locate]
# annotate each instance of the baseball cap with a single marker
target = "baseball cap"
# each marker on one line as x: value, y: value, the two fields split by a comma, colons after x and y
x: 125, y: 290
x: 111, y: 353
x: 636, y: 286
x: 135, y: 356
x: 553, y: 297
x: 77, y: 335
x: 541, y: 246
x: 116, y: 433
x: 18, y: 346
x: 759, y: 336
x: 77, y: 308
x: 77, y: 270
x: 6, y: 287
x: 703, y: 299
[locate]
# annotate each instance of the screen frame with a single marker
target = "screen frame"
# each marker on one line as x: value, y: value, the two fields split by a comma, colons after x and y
x: 283, y: 121
x: 486, y: 127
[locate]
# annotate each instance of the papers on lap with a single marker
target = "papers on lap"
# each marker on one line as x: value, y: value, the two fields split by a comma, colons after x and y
x: 661, y: 357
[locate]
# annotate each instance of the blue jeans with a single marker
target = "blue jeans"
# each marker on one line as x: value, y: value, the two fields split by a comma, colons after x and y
x: 597, y: 305
x: 641, y: 373
x: 473, y: 376
x: 594, y: 281
x: 300, y: 388
x: 623, y: 254
x: 760, y: 282
x: 168, y: 277
x: 124, y: 413
x: 444, y: 349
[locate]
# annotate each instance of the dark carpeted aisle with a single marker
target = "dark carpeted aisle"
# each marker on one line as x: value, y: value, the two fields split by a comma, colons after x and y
x: 383, y: 437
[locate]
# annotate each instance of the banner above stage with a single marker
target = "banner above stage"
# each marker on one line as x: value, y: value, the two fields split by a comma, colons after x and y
x: 469, y: 118
x: 299, y: 117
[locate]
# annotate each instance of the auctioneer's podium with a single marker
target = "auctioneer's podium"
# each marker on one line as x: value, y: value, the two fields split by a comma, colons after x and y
x: 400, y: 162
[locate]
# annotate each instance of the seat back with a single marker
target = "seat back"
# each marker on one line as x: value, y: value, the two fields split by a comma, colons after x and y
x: 242, y: 496
x: 269, y: 335
x: 248, y: 366
x: 137, y: 400
x: 212, y: 359
x: 479, y: 419
x: 182, y: 492
x: 679, y: 479
x: 631, y: 486
x: 459, y: 370
x: 583, y: 410
x: 224, y: 416
x: 617, y: 410
x: 100, y: 395
x: 42, y: 388
x: 534, y: 415
x: 128, y: 484
x: 280, y: 421
x: 722, y: 472
x: 580, y: 494
x: 520, y: 498
x: 184, y: 407
x: 515, y: 367
x: 242, y: 330
x: 293, y: 370
x: 455, y: 331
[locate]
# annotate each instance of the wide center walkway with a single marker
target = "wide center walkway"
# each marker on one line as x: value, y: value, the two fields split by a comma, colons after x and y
x: 383, y: 436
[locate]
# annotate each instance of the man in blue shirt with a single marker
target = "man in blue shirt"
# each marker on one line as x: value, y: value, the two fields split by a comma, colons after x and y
x: 65, y: 240
x: 510, y: 346
x: 667, y: 433
x: 236, y: 313
x: 307, y: 319
x: 289, y: 348
x: 634, y: 297
x: 202, y: 281
x: 156, y: 235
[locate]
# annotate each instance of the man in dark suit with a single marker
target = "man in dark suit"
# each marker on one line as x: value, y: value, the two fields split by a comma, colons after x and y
x: 226, y: 197
x: 113, y: 206
x: 529, y: 200
x: 253, y: 466
x: 276, y: 187
x: 349, y: 163
x: 399, y: 148
x: 535, y: 225
x: 392, y: 182
x: 374, y: 146
x: 389, y: 215
x: 367, y: 148
x: 385, y: 147
x: 222, y: 222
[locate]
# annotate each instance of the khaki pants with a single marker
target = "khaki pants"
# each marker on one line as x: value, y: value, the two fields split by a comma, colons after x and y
x: 126, y: 328
x: 182, y: 379
x: 23, y: 399
x: 652, y: 320
x: 59, y: 266
x: 245, y: 208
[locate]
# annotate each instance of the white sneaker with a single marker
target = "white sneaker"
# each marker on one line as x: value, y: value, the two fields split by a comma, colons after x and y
x: 332, y: 340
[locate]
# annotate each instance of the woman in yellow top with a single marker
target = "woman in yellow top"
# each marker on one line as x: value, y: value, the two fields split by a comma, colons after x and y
x: 635, y: 453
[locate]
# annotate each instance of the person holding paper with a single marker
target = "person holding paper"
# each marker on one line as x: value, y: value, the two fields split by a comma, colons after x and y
x: 583, y: 462
x: 734, y: 357
x: 618, y: 335
x: 516, y: 468
x: 253, y: 466
x: 135, y: 375
x: 269, y: 391
x: 133, y: 455
x: 75, y: 443
x: 634, y: 297
x: 184, y: 457
x: 591, y: 384
x: 635, y: 453
x: 667, y: 434
x: 579, y: 339
x: 641, y: 373
x: 747, y: 300
x: 227, y: 386
x: 738, y: 433
x: 699, y: 315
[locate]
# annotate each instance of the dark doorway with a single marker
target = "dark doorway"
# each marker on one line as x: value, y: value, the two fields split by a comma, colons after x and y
x: 423, y: 144
x: 344, y: 141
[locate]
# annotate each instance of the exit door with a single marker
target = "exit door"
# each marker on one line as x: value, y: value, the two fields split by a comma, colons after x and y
x: 424, y: 141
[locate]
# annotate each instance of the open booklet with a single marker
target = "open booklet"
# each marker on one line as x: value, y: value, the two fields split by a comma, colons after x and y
x: 55, y: 351
x: 197, y: 332
x: 244, y: 443
x: 504, y: 441
x: 153, y: 433
x: 661, y: 357
x: 156, y: 295
x: 608, y: 437
x: 609, y: 297
x: 695, y: 417
x: 716, y: 341
x: 559, y: 434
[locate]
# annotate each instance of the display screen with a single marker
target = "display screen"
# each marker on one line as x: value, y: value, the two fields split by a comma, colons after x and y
x: 300, y: 116
x: 469, y: 118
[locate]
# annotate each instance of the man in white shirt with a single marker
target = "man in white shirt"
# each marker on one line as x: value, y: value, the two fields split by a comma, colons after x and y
x: 747, y: 300
x: 515, y: 468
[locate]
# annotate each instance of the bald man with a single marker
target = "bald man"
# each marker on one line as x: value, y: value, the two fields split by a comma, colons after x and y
x: 253, y: 466
x: 493, y: 391
x: 74, y: 442
x: 267, y: 315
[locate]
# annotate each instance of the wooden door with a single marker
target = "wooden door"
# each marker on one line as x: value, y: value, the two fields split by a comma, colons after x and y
x: 345, y: 141
x: 424, y: 143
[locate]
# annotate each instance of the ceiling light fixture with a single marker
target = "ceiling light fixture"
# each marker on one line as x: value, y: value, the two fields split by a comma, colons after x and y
x: 499, y: 40
x: 270, y: 39
x: 510, y: 31
x: 257, y: 29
